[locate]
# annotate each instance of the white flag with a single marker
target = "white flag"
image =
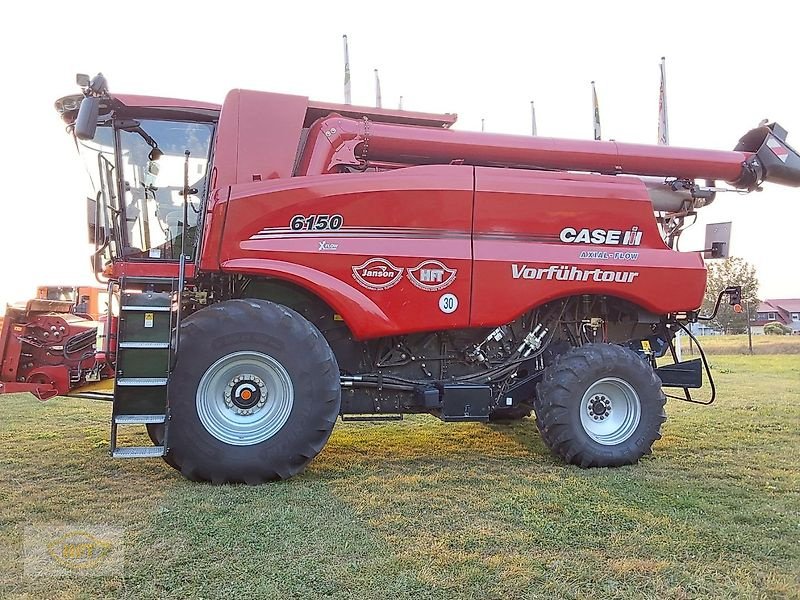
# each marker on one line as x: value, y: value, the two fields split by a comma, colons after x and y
x: 663, y: 123
x: 347, y: 98
x: 377, y: 90
x: 596, y: 113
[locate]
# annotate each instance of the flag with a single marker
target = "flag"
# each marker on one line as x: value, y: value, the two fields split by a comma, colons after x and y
x: 663, y: 124
x: 533, y: 119
x: 347, y: 98
x: 377, y: 90
x: 596, y: 113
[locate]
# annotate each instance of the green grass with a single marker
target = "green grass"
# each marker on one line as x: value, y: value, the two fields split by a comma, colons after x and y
x: 737, y: 344
x: 423, y: 509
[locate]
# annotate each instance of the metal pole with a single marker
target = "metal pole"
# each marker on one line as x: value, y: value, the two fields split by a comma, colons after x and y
x: 749, y: 331
x: 679, y: 346
x: 482, y: 124
x: 533, y: 119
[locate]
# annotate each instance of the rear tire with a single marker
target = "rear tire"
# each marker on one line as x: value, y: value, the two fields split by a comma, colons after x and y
x: 600, y: 405
x: 254, y: 395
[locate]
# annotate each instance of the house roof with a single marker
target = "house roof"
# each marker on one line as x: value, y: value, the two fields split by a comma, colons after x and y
x: 775, y: 305
x: 787, y: 304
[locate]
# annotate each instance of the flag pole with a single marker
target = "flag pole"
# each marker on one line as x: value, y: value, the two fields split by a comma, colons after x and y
x: 400, y: 104
x: 347, y: 96
x: 533, y: 119
x: 663, y: 122
x: 596, y: 114
x: 377, y: 90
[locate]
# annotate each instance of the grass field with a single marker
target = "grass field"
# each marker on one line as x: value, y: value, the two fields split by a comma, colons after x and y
x: 422, y: 509
x: 737, y: 344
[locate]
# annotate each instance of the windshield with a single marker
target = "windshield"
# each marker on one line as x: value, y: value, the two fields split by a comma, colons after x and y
x: 153, y: 159
x: 148, y: 223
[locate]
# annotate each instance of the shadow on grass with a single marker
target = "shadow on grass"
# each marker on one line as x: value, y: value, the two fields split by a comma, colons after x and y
x: 421, y: 438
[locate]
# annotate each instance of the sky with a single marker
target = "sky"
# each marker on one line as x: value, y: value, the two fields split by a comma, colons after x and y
x: 729, y: 65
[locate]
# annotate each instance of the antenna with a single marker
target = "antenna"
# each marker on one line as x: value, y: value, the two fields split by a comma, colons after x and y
x: 533, y: 119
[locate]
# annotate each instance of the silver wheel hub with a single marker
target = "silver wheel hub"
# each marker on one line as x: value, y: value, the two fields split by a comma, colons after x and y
x: 610, y: 411
x: 244, y: 398
x: 246, y: 394
x: 599, y: 407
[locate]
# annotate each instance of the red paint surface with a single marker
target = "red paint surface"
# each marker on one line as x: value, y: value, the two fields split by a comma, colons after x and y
x: 479, y: 221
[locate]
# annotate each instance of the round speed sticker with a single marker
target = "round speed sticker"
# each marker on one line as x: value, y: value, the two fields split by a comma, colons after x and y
x: 448, y: 303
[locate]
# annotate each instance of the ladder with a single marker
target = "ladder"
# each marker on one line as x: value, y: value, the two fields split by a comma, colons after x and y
x: 148, y: 314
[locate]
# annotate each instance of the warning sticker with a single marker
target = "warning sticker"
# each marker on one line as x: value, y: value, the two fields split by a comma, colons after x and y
x: 778, y: 149
x: 148, y: 319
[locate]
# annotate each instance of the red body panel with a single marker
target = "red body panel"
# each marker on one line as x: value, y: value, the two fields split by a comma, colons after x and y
x: 403, y: 217
x: 519, y: 217
x: 509, y: 220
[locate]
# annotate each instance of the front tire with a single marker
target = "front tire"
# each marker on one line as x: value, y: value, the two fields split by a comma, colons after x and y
x: 600, y: 405
x: 254, y: 395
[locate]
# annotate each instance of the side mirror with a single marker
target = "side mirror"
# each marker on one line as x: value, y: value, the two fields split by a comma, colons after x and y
x: 86, y: 123
x: 718, y: 240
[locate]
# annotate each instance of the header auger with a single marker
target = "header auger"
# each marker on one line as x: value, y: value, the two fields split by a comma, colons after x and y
x: 273, y: 263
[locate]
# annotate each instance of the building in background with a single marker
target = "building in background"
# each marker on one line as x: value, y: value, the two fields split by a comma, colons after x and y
x: 784, y: 311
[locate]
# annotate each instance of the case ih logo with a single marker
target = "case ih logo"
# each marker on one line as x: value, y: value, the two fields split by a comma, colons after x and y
x: 613, y: 237
x: 432, y: 276
x: 377, y: 274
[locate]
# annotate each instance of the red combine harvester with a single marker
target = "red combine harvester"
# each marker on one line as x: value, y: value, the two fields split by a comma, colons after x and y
x: 275, y: 263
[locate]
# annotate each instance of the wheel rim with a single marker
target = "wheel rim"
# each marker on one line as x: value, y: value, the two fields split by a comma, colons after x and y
x: 245, y: 398
x: 610, y: 411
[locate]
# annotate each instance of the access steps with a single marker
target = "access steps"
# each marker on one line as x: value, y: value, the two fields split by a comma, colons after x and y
x: 148, y: 315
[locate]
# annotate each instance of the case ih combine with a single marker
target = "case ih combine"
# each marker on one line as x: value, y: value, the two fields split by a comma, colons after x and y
x: 275, y: 263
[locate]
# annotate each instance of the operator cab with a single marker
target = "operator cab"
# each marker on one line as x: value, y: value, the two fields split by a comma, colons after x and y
x: 143, y: 155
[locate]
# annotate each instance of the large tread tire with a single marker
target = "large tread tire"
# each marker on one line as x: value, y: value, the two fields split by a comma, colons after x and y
x: 260, y: 326
x: 559, y: 396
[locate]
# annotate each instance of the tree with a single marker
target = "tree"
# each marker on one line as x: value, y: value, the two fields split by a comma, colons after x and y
x: 731, y: 271
x: 776, y: 328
